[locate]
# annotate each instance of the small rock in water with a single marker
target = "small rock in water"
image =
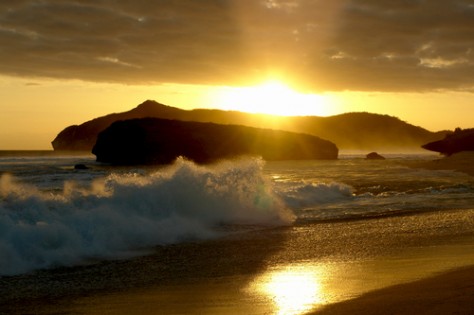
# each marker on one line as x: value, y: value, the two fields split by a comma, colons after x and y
x: 374, y: 156
x: 80, y: 167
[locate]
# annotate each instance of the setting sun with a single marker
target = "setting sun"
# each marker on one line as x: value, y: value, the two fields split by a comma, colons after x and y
x: 272, y: 97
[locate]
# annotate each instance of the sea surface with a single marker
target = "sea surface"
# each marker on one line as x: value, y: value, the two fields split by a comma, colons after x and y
x: 52, y: 215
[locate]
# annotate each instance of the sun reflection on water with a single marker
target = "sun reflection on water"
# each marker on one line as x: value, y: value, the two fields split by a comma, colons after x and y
x: 294, y: 289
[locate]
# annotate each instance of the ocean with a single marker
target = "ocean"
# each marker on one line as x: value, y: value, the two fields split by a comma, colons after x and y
x: 221, y: 220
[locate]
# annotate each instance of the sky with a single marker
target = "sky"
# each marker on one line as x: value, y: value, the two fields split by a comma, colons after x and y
x: 65, y: 62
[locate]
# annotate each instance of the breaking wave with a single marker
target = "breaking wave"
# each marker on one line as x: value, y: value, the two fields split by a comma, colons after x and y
x: 124, y: 215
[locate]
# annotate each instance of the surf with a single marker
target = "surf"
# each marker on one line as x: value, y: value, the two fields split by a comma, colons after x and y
x: 124, y: 215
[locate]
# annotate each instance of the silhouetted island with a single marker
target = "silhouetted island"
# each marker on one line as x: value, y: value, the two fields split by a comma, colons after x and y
x: 454, y: 142
x: 351, y: 131
x: 161, y: 141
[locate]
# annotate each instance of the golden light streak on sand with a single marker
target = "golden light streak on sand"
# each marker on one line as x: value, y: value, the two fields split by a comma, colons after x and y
x: 293, y: 289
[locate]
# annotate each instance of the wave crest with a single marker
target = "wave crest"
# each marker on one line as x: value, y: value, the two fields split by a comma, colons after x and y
x: 120, y: 215
x: 307, y: 195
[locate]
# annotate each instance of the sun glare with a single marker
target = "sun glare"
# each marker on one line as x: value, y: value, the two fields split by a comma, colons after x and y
x: 272, y: 97
x: 294, y: 289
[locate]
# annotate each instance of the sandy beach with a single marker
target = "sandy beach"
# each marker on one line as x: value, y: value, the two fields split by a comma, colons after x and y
x: 325, y: 268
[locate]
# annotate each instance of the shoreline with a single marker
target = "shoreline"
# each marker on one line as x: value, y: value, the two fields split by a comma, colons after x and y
x: 258, y: 273
x: 399, y: 264
x: 402, y: 264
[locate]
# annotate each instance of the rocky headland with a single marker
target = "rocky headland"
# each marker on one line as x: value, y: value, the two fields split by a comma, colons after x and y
x: 161, y: 141
x: 458, y: 141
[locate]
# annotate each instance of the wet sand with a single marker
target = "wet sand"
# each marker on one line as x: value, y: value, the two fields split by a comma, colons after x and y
x: 448, y: 293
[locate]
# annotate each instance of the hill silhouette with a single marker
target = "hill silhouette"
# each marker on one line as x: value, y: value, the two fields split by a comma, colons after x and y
x: 350, y: 131
x: 161, y: 141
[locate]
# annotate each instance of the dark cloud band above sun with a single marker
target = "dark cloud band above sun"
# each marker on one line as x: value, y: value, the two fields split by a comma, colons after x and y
x: 384, y: 45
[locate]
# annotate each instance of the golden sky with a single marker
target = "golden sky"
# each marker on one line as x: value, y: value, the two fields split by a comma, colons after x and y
x: 65, y: 62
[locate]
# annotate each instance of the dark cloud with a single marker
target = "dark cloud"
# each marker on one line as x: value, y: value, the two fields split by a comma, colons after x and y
x: 403, y: 45
x: 323, y: 45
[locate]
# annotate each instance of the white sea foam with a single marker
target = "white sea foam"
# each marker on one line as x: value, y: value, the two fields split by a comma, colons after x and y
x: 304, y: 195
x: 120, y: 215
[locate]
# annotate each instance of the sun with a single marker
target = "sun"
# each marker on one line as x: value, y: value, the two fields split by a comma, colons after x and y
x: 272, y: 97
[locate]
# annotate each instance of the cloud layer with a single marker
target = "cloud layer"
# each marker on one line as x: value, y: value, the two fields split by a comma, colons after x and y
x: 385, y: 45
